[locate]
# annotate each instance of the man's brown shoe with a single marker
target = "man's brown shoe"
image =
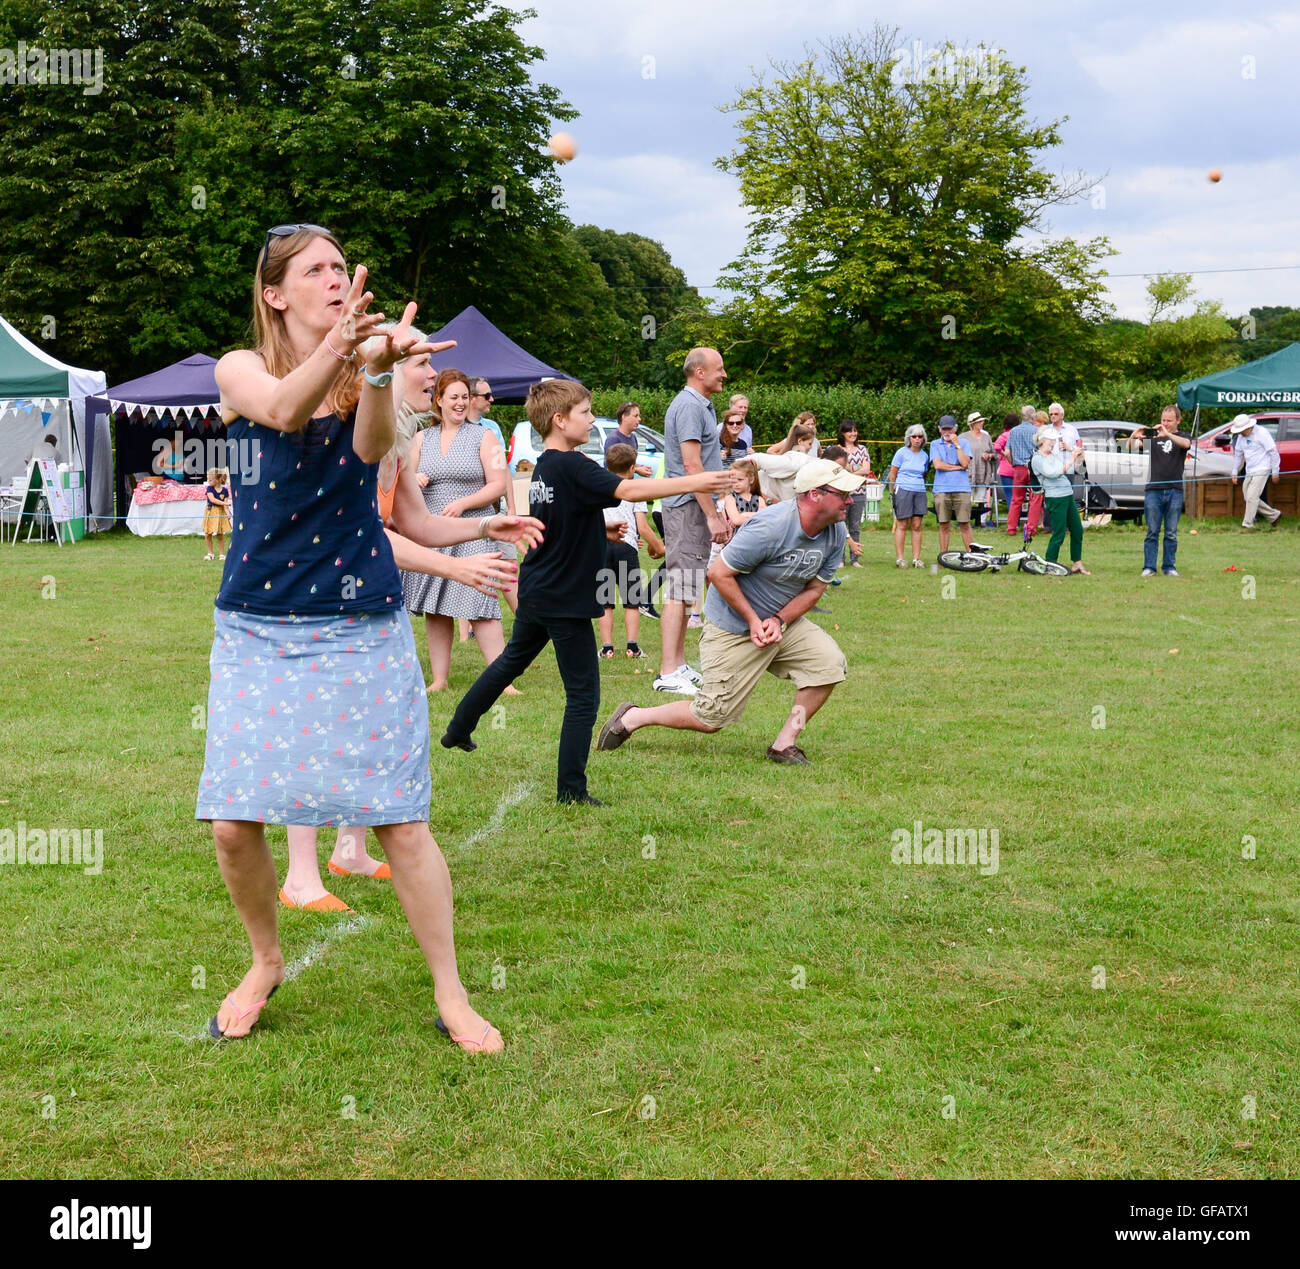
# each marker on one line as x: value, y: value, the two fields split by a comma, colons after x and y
x: 611, y: 734
x: 793, y: 755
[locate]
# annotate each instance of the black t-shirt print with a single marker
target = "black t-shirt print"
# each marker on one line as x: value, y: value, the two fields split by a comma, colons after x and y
x: 568, y: 494
x: 1167, y: 460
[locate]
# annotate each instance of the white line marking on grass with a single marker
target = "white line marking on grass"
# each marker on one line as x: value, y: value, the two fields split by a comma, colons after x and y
x: 1204, y: 624
x: 513, y: 798
x: 315, y: 950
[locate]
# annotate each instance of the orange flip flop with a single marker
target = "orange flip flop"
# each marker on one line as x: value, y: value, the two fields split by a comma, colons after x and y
x: 382, y: 873
x: 330, y: 903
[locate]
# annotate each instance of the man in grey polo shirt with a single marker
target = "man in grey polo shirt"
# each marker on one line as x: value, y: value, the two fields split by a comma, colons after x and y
x: 766, y: 578
x: 691, y: 522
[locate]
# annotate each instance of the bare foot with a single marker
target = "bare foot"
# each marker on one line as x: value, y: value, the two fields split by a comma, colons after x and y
x: 254, y: 989
x: 436, y: 687
x: 461, y: 1020
x: 512, y: 690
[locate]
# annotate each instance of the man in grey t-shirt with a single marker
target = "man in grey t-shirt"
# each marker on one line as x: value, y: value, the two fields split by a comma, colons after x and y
x: 766, y: 578
x: 691, y: 523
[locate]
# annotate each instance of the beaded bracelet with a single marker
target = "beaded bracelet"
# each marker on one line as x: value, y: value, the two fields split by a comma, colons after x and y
x: 341, y: 356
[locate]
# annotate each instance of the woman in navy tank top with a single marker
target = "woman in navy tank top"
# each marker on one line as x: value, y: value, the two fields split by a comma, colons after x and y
x: 317, y: 712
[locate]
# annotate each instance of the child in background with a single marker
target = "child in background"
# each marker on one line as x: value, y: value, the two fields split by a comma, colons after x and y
x: 745, y: 499
x: 216, y: 515
x: 622, y: 563
x: 743, y: 502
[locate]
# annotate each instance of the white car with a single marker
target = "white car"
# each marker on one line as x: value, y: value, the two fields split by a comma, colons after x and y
x: 526, y: 444
x: 1120, y: 471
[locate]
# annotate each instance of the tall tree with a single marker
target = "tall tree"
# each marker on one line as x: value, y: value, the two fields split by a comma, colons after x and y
x: 77, y: 238
x: 652, y: 299
x: 414, y: 130
x: 888, y: 193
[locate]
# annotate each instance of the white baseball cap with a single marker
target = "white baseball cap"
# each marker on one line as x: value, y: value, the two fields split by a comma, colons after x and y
x: 821, y: 473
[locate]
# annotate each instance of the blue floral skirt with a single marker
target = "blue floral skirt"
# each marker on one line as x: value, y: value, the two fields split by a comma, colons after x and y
x: 316, y: 720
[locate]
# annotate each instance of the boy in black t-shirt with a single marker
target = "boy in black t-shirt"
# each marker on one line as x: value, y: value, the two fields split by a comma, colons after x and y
x: 558, y: 581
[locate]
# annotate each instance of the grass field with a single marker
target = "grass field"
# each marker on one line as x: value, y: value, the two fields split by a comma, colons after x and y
x: 769, y: 994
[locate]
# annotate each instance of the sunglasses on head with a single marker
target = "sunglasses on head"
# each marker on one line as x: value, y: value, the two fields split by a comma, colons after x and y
x: 285, y: 231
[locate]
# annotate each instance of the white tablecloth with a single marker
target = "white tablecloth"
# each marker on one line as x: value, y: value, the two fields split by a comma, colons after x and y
x: 167, y: 519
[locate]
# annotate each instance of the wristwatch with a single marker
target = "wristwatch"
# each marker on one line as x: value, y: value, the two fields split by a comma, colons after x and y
x: 379, y: 381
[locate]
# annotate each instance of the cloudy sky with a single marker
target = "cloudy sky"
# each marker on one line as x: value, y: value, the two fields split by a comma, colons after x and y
x: 1156, y: 96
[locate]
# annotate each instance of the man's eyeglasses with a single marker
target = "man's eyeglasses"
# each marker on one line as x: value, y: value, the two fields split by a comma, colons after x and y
x: 285, y: 231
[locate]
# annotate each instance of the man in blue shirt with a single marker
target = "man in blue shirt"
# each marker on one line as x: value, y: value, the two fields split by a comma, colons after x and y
x: 764, y: 581
x: 1020, y: 449
x: 950, y: 457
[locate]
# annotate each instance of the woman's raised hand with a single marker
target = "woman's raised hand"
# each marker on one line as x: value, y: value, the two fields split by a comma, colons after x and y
x: 399, y: 343
x: 355, y: 324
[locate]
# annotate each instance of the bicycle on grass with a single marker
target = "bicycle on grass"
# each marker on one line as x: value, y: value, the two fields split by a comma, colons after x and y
x: 979, y: 558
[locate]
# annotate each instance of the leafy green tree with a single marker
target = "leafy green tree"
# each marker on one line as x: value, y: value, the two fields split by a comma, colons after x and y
x: 1266, y: 329
x: 77, y: 235
x: 651, y: 297
x: 414, y: 130
x: 1196, y: 343
x: 886, y: 202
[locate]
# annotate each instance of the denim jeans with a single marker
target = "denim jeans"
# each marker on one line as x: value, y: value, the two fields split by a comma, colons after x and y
x: 575, y: 655
x: 1166, y: 505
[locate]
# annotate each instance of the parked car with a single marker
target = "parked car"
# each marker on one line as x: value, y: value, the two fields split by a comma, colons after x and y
x: 1284, y: 428
x: 1117, y: 471
x: 525, y: 443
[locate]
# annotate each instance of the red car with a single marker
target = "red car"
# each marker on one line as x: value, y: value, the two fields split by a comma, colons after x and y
x: 1284, y: 429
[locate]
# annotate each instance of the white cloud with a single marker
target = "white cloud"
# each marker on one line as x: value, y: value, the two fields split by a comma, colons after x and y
x: 688, y: 205
x: 1154, y: 103
x: 1228, y: 68
x: 1175, y: 220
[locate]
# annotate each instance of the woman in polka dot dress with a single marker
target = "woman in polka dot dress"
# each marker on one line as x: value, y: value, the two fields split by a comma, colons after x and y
x: 462, y: 472
x: 316, y: 706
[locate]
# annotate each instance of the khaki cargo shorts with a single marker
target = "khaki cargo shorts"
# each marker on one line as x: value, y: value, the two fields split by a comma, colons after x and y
x: 732, y: 667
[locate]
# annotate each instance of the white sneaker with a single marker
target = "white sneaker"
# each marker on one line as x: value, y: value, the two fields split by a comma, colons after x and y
x: 1148, y: 572
x: 917, y: 564
x: 690, y: 674
x: 208, y: 556
x: 674, y: 683
x: 899, y: 564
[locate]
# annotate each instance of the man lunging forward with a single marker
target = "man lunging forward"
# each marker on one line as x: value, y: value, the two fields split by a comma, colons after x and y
x: 766, y: 578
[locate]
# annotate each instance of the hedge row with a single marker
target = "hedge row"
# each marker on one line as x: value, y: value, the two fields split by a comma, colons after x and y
x: 883, y: 414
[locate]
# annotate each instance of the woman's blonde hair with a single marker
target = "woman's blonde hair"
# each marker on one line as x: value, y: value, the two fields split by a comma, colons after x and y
x: 271, y: 338
x: 805, y: 416
x: 1040, y: 416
